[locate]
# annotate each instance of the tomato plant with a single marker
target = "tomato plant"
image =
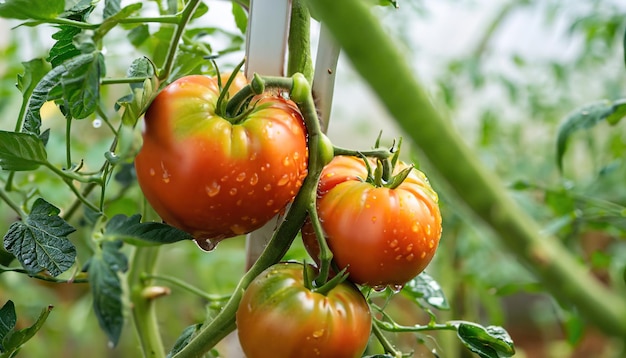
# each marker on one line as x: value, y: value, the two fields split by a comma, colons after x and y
x: 214, y: 176
x: 383, y: 235
x: 279, y: 316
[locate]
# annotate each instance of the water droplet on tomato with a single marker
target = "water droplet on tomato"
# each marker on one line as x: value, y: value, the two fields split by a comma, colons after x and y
x: 224, y: 179
x: 253, y: 156
x: 428, y: 229
x: 379, y: 288
x: 241, y: 177
x: 152, y: 172
x: 410, y: 257
x: 296, y: 155
x: 238, y: 229
x: 283, y: 180
x: 254, y: 179
x: 398, y: 257
x: 374, y: 219
x: 206, y: 244
x: 396, y: 288
x: 415, y: 228
x: 318, y: 333
x: 409, y: 248
x: 270, y: 202
x: 267, y: 187
x: 166, y: 179
x: 233, y: 191
x: 286, y: 161
x: 431, y: 244
x: 213, y: 189
x: 393, y: 243
x: 423, y: 254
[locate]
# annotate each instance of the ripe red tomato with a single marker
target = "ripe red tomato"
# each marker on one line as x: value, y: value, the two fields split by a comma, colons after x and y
x: 279, y: 317
x: 384, y: 236
x: 213, y: 178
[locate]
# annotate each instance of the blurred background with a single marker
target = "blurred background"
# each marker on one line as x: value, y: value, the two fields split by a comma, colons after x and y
x: 505, y: 73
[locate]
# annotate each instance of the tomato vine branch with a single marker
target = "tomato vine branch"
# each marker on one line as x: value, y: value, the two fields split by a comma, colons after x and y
x: 185, y: 17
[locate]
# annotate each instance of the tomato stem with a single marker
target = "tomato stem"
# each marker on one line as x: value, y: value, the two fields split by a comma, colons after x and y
x: 325, y: 255
x: 387, y: 345
x: 332, y: 283
x: 185, y: 17
x: 221, y: 106
x: 379, y: 153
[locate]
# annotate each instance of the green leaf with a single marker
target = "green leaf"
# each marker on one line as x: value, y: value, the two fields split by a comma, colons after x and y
x: 489, y: 342
x: 133, y: 231
x: 21, y: 151
x: 585, y: 118
x: 64, y: 48
x: 39, y: 242
x: 380, y: 356
x: 200, y: 10
x: 81, y: 87
x: 51, y: 88
x: 241, y: 17
x: 106, y: 287
x: 139, y: 35
x: 111, y: 7
x: 136, y: 103
x: 31, y: 9
x: 34, y: 70
x: 424, y: 287
x: 15, y: 339
x: 114, y: 19
x: 184, y: 338
x: 8, y: 319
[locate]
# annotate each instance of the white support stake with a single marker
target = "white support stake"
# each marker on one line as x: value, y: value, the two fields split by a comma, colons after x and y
x: 266, y: 46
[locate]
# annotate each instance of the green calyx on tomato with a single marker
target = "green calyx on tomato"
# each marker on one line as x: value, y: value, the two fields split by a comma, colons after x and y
x: 213, y: 176
x: 384, y: 227
x: 279, y: 316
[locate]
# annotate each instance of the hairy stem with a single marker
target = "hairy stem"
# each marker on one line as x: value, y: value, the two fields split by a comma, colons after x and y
x: 185, y: 17
x: 387, y: 71
x: 300, y: 41
x: 143, y: 309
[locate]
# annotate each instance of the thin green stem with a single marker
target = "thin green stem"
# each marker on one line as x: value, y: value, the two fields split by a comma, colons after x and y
x: 378, y: 153
x: 224, y: 322
x: 13, y: 205
x: 325, y: 255
x: 299, y: 41
x: 81, y: 197
x: 181, y: 22
x: 387, y: 345
x: 143, y: 309
x: 124, y: 80
x: 186, y: 286
x: 68, y: 141
x: 42, y: 277
x: 394, y: 327
x: 390, y: 75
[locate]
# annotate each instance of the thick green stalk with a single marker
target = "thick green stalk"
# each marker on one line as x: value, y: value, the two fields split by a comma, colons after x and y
x: 300, y: 41
x: 385, y: 68
x: 143, y: 309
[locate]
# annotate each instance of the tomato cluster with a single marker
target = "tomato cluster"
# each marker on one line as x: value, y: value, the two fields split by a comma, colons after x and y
x: 217, y: 177
x: 217, y: 174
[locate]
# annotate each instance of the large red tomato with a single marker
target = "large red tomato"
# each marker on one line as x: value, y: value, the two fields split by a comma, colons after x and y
x: 384, y: 236
x: 279, y: 317
x: 217, y: 177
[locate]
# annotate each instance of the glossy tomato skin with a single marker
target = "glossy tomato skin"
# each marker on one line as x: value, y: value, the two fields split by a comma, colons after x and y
x: 210, y: 177
x: 279, y: 317
x: 385, y: 237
